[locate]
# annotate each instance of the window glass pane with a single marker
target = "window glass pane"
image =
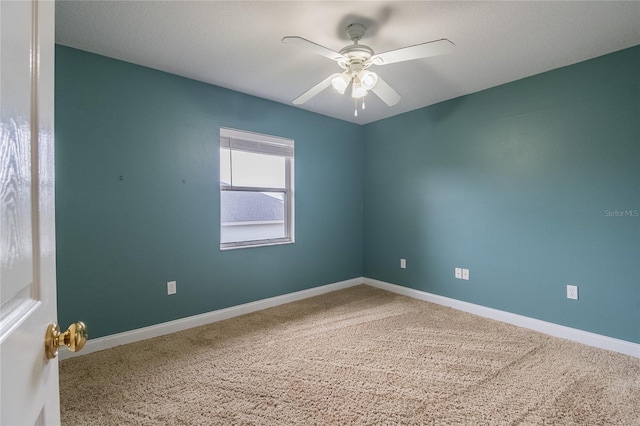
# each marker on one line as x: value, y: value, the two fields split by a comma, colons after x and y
x: 257, y: 170
x: 256, y: 189
x: 251, y: 215
x: 225, y: 166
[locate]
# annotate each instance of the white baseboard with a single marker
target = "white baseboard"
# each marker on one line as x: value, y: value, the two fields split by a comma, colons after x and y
x: 111, y: 341
x: 576, y: 335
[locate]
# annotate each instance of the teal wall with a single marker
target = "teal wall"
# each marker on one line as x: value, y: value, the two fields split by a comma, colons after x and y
x: 120, y: 241
x: 515, y: 183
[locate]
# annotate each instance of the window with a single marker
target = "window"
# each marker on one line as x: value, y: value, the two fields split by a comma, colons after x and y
x: 256, y: 190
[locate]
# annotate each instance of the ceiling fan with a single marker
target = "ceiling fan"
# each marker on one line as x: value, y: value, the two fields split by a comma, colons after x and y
x: 356, y: 59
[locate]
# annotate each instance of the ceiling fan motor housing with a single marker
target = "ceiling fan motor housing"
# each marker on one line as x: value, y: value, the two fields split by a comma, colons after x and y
x: 357, y: 51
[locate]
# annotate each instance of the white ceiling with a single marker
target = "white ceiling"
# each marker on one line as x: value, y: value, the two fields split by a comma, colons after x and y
x: 237, y: 44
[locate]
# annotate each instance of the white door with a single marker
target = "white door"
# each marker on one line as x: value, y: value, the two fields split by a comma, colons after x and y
x: 29, y: 381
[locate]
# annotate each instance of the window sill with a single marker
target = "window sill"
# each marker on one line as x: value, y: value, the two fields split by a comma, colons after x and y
x: 256, y: 244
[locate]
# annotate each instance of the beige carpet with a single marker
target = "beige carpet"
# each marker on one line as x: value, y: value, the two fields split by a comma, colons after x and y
x: 355, y: 356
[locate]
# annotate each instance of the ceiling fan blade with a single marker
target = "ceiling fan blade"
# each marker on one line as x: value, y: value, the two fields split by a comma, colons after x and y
x: 315, y: 90
x: 314, y: 47
x: 418, y: 51
x: 386, y: 92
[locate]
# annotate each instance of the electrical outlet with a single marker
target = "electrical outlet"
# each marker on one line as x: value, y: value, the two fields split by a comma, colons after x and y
x: 572, y: 292
x: 403, y: 263
x: 458, y: 273
x: 465, y: 274
x: 171, y: 287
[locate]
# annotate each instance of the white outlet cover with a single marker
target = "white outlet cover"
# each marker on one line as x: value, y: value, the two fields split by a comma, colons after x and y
x: 465, y: 274
x: 458, y: 273
x: 403, y: 263
x: 572, y: 292
x: 171, y: 287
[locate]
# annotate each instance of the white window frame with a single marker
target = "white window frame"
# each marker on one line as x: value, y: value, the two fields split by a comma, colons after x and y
x: 269, y: 145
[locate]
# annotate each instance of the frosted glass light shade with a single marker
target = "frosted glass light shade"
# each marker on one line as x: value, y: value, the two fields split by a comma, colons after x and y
x: 341, y: 82
x: 368, y: 79
x: 358, y: 91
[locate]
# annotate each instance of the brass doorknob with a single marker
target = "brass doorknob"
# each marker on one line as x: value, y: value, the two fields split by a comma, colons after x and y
x: 74, y: 338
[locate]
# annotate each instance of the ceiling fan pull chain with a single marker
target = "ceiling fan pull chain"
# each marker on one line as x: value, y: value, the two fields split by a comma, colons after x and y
x: 363, y: 107
x: 355, y: 110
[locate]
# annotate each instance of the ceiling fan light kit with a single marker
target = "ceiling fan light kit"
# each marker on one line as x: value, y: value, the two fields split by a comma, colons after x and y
x: 355, y: 60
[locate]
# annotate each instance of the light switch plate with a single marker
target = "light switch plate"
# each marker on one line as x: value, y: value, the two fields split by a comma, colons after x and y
x: 465, y: 274
x: 403, y: 263
x: 171, y: 287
